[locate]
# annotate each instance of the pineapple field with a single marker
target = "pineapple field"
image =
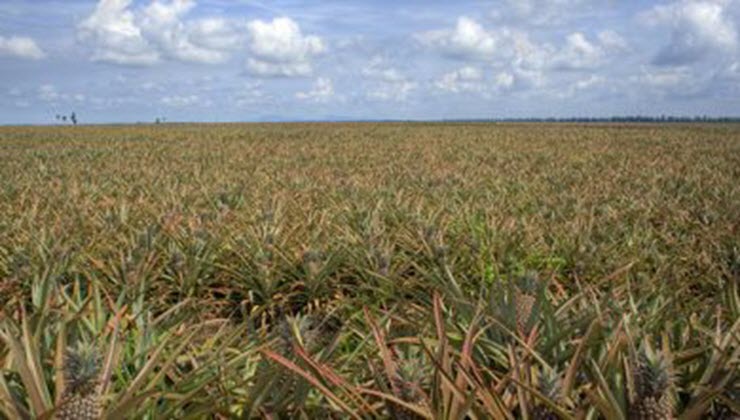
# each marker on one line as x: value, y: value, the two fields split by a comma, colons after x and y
x: 370, y: 270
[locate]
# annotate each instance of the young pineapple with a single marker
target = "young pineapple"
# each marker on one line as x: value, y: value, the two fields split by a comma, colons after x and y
x: 284, y: 391
x: 406, y: 384
x: 81, y: 399
x: 550, y: 386
x: 319, y: 332
x: 652, y: 377
x: 525, y: 298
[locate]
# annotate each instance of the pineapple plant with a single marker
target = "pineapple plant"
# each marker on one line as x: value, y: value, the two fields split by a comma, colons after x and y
x: 652, y: 377
x: 277, y: 390
x: 81, y: 397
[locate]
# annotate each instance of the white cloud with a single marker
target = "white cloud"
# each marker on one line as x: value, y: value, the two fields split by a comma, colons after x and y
x: 519, y: 79
x: 674, y: 81
x: 521, y: 61
x: 49, y: 93
x: 522, y: 52
x: 116, y: 37
x: 160, y: 30
x: 468, y: 39
x: 578, y: 87
x: 203, y: 41
x: 733, y: 71
x: 465, y: 79
x: 579, y: 53
x: 612, y: 41
x: 665, y: 77
x: 398, y: 92
x: 504, y: 80
x: 589, y: 82
x: 387, y: 83
x: 279, y: 48
x: 215, y: 33
x: 322, y: 91
x: 250, y: 94
x: 181, y: 101
x: 545, y: 12
x: 698, y: 28
x: 267, y: 69
x: 20, y: 46
x: 376, y: 69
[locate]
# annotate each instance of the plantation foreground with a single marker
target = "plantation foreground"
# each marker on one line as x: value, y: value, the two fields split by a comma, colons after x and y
x: 370, y: 271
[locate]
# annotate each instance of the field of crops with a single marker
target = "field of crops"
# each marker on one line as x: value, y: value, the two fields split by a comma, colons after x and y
x: 395, y: 270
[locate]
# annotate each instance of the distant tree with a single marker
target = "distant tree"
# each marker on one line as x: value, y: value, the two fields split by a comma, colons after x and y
x: 73, y: 118
x: 157, y: 121
x: 64, y: 118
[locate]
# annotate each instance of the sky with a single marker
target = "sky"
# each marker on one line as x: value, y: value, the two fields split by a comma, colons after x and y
x: 245, y: 60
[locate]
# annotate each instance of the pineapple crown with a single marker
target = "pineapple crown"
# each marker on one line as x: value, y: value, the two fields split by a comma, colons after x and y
x: 550, y: 385
x: 528, y: 284
x: 652, y: 373
x: 312, y: 256
x: 314, y: 330
x: 81, y: 366
x: 409, y: 375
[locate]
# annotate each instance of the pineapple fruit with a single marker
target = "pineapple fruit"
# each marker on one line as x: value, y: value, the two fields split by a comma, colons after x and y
x: 406, y: 384
x: 550, y: 386
x: 525, y: 298
x: 651, y: 373
x: 81, y: 398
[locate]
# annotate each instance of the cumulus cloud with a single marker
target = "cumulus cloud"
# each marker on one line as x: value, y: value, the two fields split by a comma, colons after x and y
x: 665, y: 78
x: 376, y: 69
x: 20, y: 46
x: 123, y: 35
x: 468, y: 39
x: 680, y: 81
x: 589, y: 82
x: 698, y: 28
x: 545, y: 12
x: 579, y: 53
x: 504, y: 80
x: 279, y: 48
x: 464, y: 79
x: 202, y: 41
x: 613, y: 41
x: 250, y: 94
x: 322, y: 91
x: 215, y: 33
x: 116, y: 37
x: 181, y: 101
x: 397, y: 92
x: 50, y: 94
x: 387, y: 83
x: 732, y: 71
x: 581, y: 85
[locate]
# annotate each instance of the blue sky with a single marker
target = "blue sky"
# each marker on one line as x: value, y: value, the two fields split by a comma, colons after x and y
x: 244, y: 60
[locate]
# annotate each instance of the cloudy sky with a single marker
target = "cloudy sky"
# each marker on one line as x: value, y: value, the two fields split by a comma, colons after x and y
x: 254, y: 60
